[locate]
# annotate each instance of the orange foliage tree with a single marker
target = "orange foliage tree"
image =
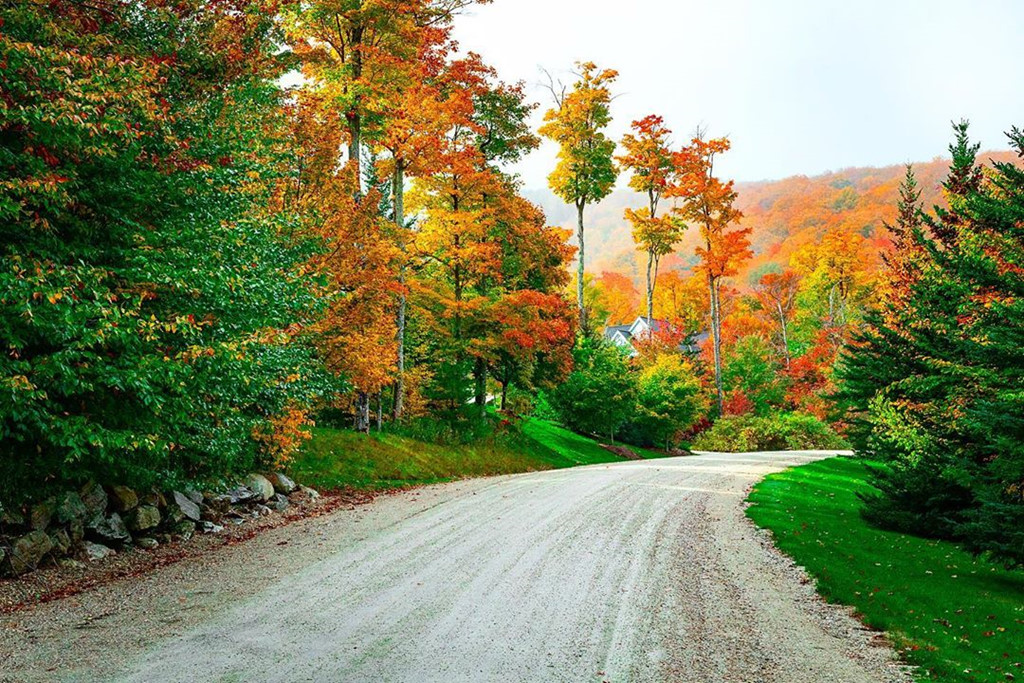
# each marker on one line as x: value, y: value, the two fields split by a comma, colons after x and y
x: 614, y: 298
x: 653, y: 168
x: 776, y: 294
x: 708, y: 202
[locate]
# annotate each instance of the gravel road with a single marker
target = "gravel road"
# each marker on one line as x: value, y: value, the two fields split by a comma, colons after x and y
x: 639, y: 571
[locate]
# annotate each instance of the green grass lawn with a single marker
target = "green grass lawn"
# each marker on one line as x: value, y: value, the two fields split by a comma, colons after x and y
x: 572, y: 447
x: 342, y: 459
x: 957, y: 617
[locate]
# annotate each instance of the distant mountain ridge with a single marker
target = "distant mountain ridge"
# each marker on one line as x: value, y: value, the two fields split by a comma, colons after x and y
x: 783, y: 214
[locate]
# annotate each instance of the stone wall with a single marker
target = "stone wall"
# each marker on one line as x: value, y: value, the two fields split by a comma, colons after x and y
x: 96, y: 521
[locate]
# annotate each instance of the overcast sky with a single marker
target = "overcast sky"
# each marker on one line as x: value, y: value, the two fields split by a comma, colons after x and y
x: 800, y: 86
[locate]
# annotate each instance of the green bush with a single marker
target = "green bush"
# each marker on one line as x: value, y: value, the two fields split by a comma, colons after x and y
x: 779, y: 432
x: 599, y: 395
x: 669, y: 401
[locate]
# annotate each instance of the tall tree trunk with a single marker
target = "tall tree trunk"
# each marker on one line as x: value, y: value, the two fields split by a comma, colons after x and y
x: 650, y: 286
x: 480, y: 384
x: 716, y: 337
x: 398, y: 192
x: 652, y: 260
x: 785, y: 335
x: 363, y: 412
x: 580, y: 206
x: 504, y: 395
x: 380, y: 410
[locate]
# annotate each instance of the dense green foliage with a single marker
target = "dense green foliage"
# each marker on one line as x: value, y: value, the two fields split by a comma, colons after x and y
x: 780, y: 431
x: 599, y: 395
x: 935, y: 382
x: 955, y: 616
x: 146, y: 289
x: 669, y: 400
x: 648, y: 401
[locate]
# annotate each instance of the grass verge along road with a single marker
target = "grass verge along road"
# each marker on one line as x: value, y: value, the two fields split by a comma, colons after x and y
x: 957, y: 617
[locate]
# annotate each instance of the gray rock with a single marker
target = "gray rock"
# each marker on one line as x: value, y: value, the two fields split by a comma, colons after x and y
x: 209, y: 527
x: 183, y: 530
x: 155, y: 499
x: 237, y: 496
x: 70, y: 563
x: 76, y: 529
x: 94, y: 498
x: 123, y: 499
x: 11, y: 519
x: 304, y: 494
x: 28, y: 550
x: 61, y: 542
x: 180, y: 506
x: 279, y: 503
x: 109, y: 530
x: 261, y: 486
x: 263, y: 510
x: 93, y: 552
x: 41, y: 514
x: 143, y: 518
x: 282, y: 484
x: 147, y: 543
x: 70, y: 508
x: 195, y: 496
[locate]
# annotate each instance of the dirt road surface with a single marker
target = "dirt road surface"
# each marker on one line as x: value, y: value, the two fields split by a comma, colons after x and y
x: 638, y: 571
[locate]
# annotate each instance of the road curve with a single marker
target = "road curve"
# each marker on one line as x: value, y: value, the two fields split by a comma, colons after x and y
x: 640, y: 571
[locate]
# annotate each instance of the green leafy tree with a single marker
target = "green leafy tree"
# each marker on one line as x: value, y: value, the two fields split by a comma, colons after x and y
x: 670, y: 400
x: 586, y: 170
x: 945, y: 411
x: 150, y: 294
x: 751, y: 371
x: 599, y: 395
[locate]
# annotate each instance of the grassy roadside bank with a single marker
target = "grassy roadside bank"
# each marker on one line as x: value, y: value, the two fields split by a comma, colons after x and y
x: 956, y: 617
x: 342, y: 459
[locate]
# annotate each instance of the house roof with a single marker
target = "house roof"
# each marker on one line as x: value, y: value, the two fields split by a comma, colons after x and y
x: 653, y: 324
x: 612, y: 330
x: 626, y: 333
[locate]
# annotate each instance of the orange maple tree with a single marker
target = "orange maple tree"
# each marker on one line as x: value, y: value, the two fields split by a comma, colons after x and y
x: 708, y: 201
x: 653, y: 167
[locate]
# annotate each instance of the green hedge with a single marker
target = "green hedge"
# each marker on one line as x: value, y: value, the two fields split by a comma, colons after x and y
x: 789, y: 431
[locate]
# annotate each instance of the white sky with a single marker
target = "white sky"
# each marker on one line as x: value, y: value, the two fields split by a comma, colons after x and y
x: 800, y: 86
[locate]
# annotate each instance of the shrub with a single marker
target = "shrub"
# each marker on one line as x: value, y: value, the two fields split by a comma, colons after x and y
x: 669, y: 401
x: 789, y: 431
x: 599, y: 395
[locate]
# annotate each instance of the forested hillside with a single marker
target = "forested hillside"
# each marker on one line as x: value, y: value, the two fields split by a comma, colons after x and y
x: 784, y: 215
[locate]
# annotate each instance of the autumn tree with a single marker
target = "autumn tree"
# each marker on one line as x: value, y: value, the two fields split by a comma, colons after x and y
x: 586, y: 170
x: 612, y: 298
x: 426, y: 107
x: 837, y: 285
x: 531, y: 340
x: 776, y: 293
x: 475, y: 227
x: 708, y: 201
x: 653, y: 167
x: 683, y: 301
x: 152, y: 291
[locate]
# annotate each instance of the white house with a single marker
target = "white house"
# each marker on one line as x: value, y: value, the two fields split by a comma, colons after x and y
x: 624, y: 335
